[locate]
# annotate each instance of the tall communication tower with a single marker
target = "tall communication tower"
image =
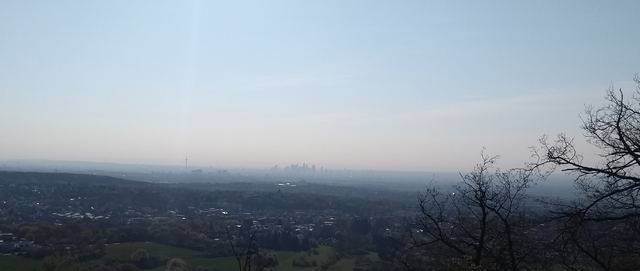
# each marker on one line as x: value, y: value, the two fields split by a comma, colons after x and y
x: 186, y: 160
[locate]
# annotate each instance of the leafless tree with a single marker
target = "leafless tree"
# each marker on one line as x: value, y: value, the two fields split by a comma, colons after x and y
x: 247, y: 253
x: 483, y: 222
x: 600, y: 229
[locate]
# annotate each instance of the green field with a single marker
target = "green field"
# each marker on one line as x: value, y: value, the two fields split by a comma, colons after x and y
x: 194, y: 258
x: 18, y: 263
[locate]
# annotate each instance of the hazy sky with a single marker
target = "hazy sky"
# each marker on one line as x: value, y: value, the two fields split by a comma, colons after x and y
x: 399, y: 85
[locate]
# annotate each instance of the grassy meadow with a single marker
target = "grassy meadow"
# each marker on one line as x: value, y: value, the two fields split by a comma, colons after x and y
x: 19, y: 263
x: 192, y: 257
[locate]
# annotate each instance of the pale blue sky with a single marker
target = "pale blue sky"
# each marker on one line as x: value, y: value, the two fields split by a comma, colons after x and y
x: 400, y: 85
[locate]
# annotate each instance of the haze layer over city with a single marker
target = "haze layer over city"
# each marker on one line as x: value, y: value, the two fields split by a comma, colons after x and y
x: 361, y: 85
x: 319, y: 135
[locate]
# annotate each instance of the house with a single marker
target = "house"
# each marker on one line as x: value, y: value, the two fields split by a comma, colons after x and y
x: 26, y: 246
x: 7, y: 247
x: 7, y: 237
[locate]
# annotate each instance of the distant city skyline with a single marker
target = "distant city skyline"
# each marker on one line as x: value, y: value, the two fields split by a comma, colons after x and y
x: 417, y: 86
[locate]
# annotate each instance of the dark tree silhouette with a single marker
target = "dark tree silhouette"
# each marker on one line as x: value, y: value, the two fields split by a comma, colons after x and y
x: 601, y: 227
x: 248, y: 255
x: 480, y: 224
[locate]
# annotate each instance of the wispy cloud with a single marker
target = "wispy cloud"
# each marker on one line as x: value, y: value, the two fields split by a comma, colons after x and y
x: 475, y: 106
